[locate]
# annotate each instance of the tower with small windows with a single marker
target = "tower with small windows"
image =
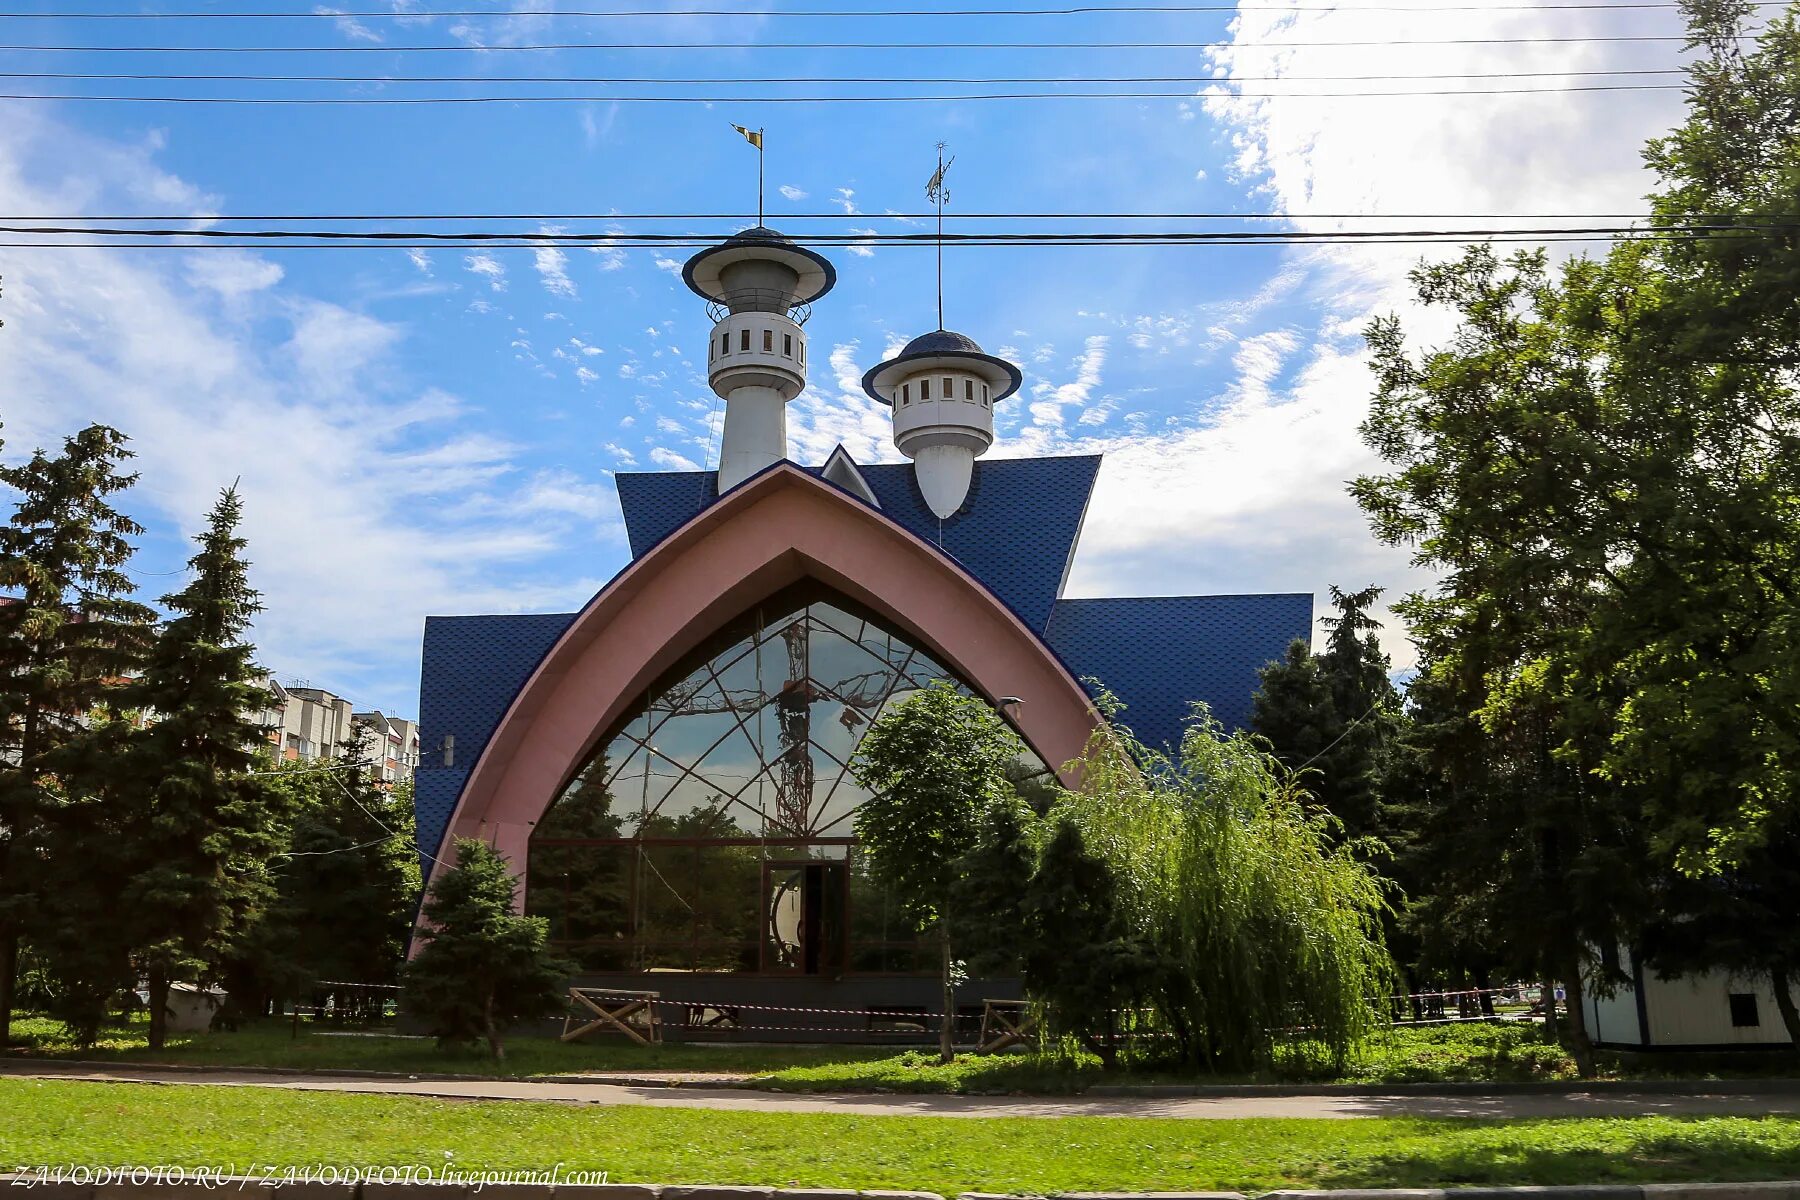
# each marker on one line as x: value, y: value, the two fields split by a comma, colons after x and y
x: 760, y: 287
x: 943, y: 389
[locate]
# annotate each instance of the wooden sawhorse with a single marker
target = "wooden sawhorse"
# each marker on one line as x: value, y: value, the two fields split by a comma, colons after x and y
x: 1004, y: 1023
x: 613, y: 1010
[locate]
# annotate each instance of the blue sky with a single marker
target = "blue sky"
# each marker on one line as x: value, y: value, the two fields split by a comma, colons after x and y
x: 436, y: 433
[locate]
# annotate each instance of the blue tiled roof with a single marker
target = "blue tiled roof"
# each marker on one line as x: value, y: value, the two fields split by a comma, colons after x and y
x: 1016, y: 533
x: 1159, y: 653
x: 471, y: 670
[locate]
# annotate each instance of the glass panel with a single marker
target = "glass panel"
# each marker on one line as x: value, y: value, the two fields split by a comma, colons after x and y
x: 834, y: 816
x: 751, y: 743
x: 843, y: 668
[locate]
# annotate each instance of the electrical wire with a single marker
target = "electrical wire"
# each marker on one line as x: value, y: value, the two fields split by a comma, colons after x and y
x: 330, y: 14
x: 641, y: 240
x: 861, y: 216
x: 722, y: 81
x: 1447, y: 238
x: 536, y: 47
x: 414, y: 101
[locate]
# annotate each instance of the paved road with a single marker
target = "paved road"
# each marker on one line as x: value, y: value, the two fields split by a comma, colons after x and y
x: 1610, y: 1103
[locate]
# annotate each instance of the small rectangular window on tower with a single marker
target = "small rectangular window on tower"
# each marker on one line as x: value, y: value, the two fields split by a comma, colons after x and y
x: 984, y: 393
x: 787, y: 345
x: 924, y: 389
x: 769, y: 341
x: 743, y: 339
x: 906, y: 393
x: 1743, y: 1011
x: 968, y: 389
x: 725, y: 343
x: 949, y: 388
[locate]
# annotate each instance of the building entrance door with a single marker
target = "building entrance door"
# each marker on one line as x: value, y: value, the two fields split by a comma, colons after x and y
x: 803, y: 917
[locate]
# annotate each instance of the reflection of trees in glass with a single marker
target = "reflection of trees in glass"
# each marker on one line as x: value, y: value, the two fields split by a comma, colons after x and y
x: 585, y: 809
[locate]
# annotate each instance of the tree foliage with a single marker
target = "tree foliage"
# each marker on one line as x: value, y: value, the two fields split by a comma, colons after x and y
x: 935, y: 762
x: 481, y: 968
x: 1334, y: 714
x: 67, y: 636
x: 207, y: 827
x: 1256, y: 919
x: 1601, y: 469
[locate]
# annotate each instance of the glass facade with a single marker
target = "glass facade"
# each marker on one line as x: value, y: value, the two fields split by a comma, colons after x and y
x: 713, y: 830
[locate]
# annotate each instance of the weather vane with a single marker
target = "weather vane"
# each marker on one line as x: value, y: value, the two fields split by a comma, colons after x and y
x: 755, y: 138
x: 936, y: 192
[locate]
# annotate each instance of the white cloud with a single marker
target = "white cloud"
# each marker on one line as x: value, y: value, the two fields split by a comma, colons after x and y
x: 790, y: 192
x: 860, y: 248
x: 553, y: 267
x: 354, y: 476
x: 233, y: 273
x: 489, y: 268
x: 348, y: 25
x: 624, y: 457
x: 845, y: 199
x: 419, y: 259
x: 668, y: 460
x: 1248, y: 484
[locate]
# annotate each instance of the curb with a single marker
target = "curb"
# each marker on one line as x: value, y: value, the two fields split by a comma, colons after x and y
x: 1574, y: 1087
x: 160, y: 1184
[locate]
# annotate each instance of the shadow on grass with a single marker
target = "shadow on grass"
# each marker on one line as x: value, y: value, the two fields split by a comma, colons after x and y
x: 1596, y: 1151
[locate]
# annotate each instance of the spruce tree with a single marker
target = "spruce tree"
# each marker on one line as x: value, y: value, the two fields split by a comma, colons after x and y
x: 68, y: 634
x: 348, y: 879
x: 1334, y: 714
x: 207, y: 828
x: 481, y: 968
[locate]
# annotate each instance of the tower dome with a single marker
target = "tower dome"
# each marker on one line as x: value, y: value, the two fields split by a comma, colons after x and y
x: 943, y: 389
x: 760, y: 287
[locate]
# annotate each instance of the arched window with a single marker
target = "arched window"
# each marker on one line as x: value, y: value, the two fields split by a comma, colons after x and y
x: 713, y: 830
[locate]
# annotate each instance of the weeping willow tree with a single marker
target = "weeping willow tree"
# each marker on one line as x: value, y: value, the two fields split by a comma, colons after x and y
x: 1266, y: 934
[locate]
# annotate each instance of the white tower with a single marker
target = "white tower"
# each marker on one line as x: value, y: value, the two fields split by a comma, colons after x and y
x: 761, y: 286
x: 943, y: 390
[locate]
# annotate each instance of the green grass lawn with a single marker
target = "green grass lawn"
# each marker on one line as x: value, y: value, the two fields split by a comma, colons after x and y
x: 100, y: 1124
x: 1451, y: 1053
x: 273, y: 1044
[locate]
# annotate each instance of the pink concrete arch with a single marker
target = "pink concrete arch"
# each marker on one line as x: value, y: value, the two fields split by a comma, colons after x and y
x: 783, y: 526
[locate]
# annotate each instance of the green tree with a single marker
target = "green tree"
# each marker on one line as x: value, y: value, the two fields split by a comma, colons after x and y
x: 68, y: 633
x: 935, y: 763
x: 346, y: 882
x: 989, y: 884
x: 1082, y: 958
x: 481, y: 968
x: 1334, y: 714
x: 207, y: 829
x: 1603, y: 468
x: 1256, y: 918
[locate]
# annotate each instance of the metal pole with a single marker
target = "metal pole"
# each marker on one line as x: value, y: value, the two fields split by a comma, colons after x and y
x: 762, y: 140
x: 940, y: 241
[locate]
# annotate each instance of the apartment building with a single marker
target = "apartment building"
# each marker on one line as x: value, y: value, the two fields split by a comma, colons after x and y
x: 396, y: 745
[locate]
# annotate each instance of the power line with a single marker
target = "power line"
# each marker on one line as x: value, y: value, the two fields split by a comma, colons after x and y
x: 1437, y: 238
x: 859, y: 216
x: 604, y: 239
x: 721, y: 81
x: 414, y: 101
x: 326, y: 14
x: 761, y: 46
